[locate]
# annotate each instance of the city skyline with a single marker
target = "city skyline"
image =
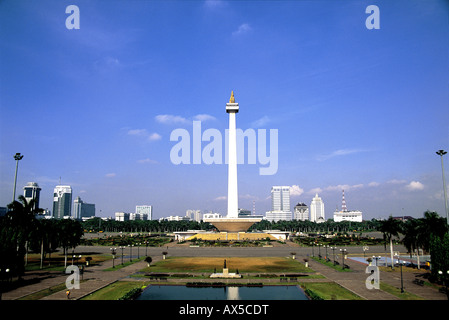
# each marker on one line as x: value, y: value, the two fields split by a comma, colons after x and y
x: 356, y: 109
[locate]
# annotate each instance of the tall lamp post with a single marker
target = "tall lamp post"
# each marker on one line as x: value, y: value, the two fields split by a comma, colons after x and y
x: 343, y: 253
x: 17, y: 157
x: 441, y: 153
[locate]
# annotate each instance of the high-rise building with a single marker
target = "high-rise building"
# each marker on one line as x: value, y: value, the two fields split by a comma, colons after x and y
x: 317, y: 210
x: 301, y: 212
x: 145, y: 211
x: 280, y: 198
x: 280, y: 204
x: 32, y: 191
x: 83, y: 210
x: 194, y: 215
x: 62, y: 202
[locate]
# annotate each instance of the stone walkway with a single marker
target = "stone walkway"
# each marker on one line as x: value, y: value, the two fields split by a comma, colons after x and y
x: 95, y: 278
x: 355, y: 281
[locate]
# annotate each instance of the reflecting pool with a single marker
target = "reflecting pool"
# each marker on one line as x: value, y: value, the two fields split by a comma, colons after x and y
x: 156, y: 292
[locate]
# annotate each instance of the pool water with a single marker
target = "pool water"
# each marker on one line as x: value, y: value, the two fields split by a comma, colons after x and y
x: 155, y: 292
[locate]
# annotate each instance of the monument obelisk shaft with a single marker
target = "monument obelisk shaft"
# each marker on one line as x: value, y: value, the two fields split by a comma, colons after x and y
x: 232, y: 108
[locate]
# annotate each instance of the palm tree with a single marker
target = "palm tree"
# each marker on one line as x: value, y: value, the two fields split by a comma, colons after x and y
x: 390, y: 228
x: 413, y: 236
x: 432, y: 224
x: 21, y: 217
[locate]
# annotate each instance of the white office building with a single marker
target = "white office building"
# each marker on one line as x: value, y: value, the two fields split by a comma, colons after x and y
x: 353, y: 216
x: 194, y: 215
x: 144, y: 212
x: 317, y: 210
x: 121, y: 216
x: 280, y: 204
x: 301, y: 212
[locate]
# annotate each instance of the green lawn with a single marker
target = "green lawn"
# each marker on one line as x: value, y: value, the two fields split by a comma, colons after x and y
x: 114, y: 290
x: 244, y: 265
x: 330, y: 291
x: 397, y: 292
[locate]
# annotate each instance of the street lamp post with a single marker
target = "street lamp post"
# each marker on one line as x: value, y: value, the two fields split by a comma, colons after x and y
x: 122, y: 247
x: 441, y: 153
x: 146, y: 248
x: 343, y: 252
x: 402, y: 280
x: 113, y: 251
x: 17, y: 157
x: 333, y: 252
x: 130, y: 251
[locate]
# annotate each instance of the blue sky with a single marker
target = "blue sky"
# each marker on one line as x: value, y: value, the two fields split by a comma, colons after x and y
x: 364, y: 110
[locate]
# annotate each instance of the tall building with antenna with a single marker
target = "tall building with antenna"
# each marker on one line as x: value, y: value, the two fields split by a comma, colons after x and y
x: 346, y: 215
x: 62, y: 202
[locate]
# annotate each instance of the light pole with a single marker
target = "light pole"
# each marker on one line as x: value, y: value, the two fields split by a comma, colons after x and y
x: 376, y: 258
x: 402, y: 281
x: 122, y: 247
x: 333, y: 251
x: 441, y: 153
x: 113, y: 251
x: 130, y: 252
x: 17, y: 157
x: 343, y: 252
x: 138, y: 250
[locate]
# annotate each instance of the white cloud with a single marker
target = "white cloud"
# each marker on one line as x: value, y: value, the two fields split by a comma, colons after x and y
x: 260, y: 122
x: 221, y: 198
x: 396, y: 181
x: 110, y: 175
x: 242, y: 29
x: 203, y: 117
x: 295, y: 190
x: 414, y: 186
x: 338, y: 153
x: 373, y: 184
x: 170, y: 119
x: 315, y: 190
x: 144, y: 133
x: 154, y: 136
x: 137, y: 132
x: 147, y: 160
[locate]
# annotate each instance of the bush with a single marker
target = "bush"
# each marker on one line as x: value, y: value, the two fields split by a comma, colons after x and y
x: 131, y: 294
x: 312, y: 295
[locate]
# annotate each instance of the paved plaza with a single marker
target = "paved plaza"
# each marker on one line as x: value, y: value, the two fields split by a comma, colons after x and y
x: 94, y: 278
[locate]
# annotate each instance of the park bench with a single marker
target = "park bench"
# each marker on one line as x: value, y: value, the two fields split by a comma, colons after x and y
x: 293, y: 279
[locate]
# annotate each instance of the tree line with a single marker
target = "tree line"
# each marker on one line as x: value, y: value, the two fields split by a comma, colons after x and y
x: 21, y: 232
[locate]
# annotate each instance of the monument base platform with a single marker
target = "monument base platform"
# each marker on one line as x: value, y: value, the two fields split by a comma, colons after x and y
x: 233, y: 224
x: 232, y: 236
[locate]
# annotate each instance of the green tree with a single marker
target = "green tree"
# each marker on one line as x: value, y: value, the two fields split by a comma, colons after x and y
x: 390, y: 228
x: 70, y: 233
x: 413, y: 236
x: 19, y: 223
